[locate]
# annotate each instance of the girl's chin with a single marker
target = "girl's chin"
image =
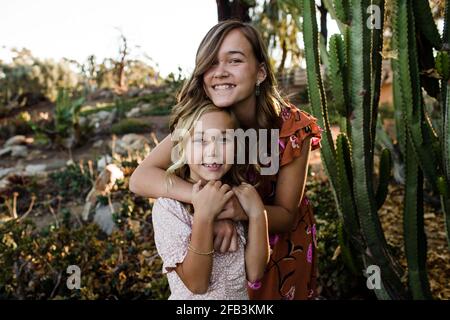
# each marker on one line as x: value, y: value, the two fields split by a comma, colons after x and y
x: 206, y: 174
x: 223, y: 102
x: 212, y: 176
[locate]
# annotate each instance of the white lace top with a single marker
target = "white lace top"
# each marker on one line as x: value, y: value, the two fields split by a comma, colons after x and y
x: 172, y: 228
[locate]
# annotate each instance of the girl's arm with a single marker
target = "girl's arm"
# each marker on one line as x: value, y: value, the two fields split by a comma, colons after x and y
x: 148, y: 179
x: 257, y: 248
x: 290, y: 188
x: 195, y: 271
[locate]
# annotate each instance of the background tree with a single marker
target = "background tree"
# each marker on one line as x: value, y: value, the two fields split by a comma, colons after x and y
x: 237, y: 9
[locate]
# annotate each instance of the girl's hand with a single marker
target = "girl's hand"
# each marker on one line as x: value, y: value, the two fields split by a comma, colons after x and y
x: 210, y: 200
x: 232, y: 210
x: 225, y: 236
x: 250, y: 200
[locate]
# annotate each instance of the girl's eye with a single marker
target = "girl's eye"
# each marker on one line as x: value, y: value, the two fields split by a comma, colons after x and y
x: 235, y: 60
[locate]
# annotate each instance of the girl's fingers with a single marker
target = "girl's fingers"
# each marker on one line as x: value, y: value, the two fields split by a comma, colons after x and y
x: 225, y: 214
x: 228, y: 196
x: 234, y: 241
x: 226, y: 241
x: 225, y: 188
x: 217, y: 242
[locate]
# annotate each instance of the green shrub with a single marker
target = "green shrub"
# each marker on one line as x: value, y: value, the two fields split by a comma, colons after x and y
x: 74, y: 181
x: 124, y: 265
x: 131, y: 126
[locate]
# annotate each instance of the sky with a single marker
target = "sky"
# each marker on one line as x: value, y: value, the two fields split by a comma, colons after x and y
x: 168, y: 31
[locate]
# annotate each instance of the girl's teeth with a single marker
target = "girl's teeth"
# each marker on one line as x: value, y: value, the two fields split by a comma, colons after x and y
x: 212, y: 165
x: 224, y: 86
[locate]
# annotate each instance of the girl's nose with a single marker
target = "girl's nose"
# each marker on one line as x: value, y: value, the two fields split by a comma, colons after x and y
x: 211, y: 149
x: 220, y: 71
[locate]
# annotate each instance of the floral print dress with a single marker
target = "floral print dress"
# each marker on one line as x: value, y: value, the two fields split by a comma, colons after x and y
x: 291, y: 271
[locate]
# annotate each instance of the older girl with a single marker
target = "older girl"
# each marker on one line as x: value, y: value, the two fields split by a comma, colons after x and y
x: 233, y: 71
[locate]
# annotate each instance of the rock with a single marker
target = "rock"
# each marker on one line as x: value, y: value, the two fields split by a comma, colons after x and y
x: 98, y: 144
x: 34, y: 154
x: 101, y: 120
x: 56, y: 164
x: 16, y: 140
x: 105, y: 94
x: 34, y: 169
x: 133, y: 92
x: 19, y: 151
x: 133, y: 112
x: 147, y: 107
x: 5, y: 171
x: 69, y: 142
x: 103, y: 161
x: 103, y: 185
x: 83, y: 121
x: 130, y: 138
x: 113, y: 173
x: 4, y: 183
x: 145, y: 92
x: 5, y: 151
x: 104, y: 217
x: 131, y: 143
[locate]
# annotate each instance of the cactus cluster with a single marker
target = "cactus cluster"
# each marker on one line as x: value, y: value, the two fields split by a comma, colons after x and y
x: 355, y: 76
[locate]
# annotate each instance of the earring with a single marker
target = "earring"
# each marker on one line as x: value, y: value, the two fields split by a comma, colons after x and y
x: 258, y: 91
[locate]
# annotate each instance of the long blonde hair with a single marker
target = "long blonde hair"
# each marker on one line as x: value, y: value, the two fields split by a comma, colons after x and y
x: 180, y: 135
x: 269, y: 103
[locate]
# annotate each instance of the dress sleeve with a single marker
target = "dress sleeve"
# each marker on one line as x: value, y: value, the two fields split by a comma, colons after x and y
x: 172, y: 230
x: 296, y: 126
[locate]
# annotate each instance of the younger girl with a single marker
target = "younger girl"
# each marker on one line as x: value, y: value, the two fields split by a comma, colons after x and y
x: 184, y: 233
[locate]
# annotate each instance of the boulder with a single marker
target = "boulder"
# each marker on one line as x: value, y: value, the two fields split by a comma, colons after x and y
x: 19, y: 151
x: 104, y: 217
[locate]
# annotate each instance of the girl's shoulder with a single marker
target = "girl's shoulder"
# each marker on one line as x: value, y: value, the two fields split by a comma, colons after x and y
x: 296, y: 126
x: 169, y: 208
x: 294, y: 119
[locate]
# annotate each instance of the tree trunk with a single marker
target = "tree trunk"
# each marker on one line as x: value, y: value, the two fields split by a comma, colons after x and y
x: 227, y: 10
x: 323, y: 21
x: 283, y: 57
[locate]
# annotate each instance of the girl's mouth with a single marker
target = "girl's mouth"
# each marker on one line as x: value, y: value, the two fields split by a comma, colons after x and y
x: 225, y: 86
x: 212, y: 166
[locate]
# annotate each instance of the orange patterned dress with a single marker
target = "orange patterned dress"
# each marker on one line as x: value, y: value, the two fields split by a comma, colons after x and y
x: 291, y: 272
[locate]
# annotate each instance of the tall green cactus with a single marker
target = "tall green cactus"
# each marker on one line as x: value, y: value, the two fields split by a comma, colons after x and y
x: 444, y: 180
x: 431, y: 150
x: 355, y: 77
x: 354, y: 71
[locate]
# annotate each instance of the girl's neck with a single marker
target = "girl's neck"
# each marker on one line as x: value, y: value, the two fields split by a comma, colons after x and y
x: 246, y: 113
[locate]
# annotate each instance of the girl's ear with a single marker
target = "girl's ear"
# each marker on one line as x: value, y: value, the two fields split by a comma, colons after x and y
x: 262, y: 72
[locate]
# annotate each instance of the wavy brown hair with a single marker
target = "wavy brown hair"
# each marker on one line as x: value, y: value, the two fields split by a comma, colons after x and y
x: 192, y: 95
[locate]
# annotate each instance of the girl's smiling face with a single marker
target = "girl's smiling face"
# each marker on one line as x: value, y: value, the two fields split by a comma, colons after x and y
x: 231, y: 80
x: 209, y: 147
